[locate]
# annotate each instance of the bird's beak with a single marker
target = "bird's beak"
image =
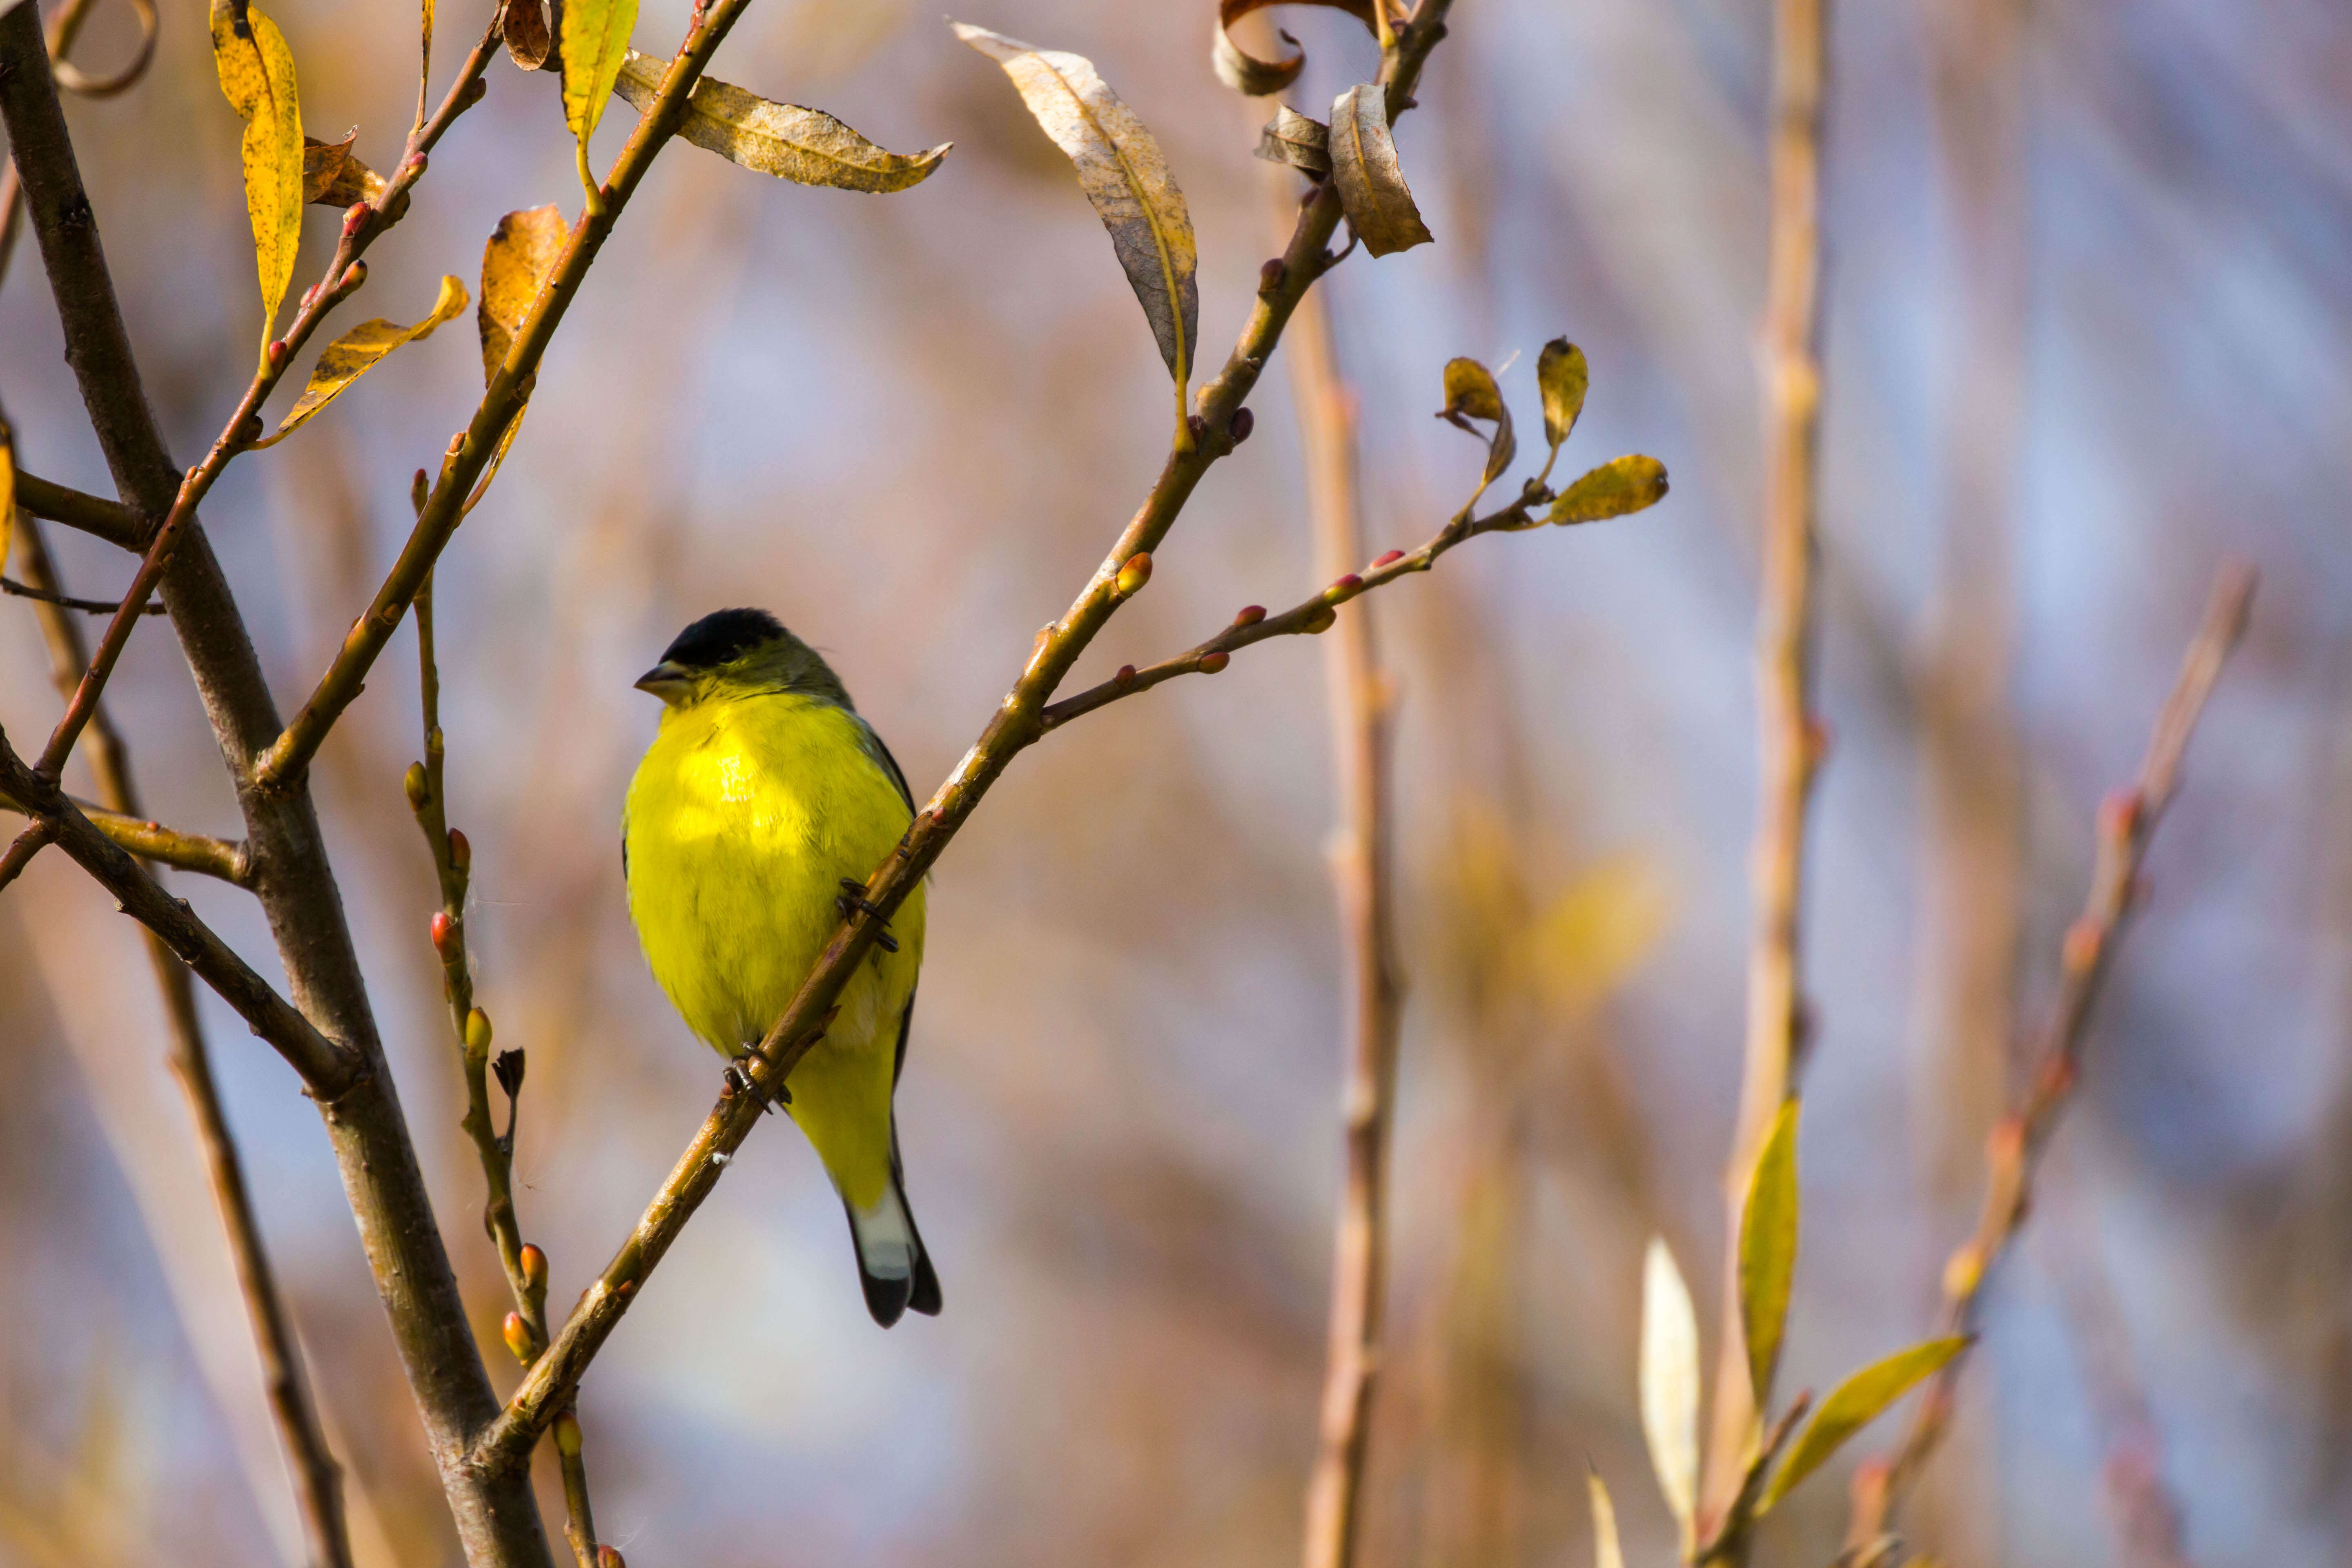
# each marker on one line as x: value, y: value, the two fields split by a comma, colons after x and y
x: 666, y: 681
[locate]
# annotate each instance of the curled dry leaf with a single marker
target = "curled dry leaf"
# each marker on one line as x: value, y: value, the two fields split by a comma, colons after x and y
x: 351, y: 356
x: 1853, y: 1405
x: 1606, y: 1550
x: 1245, y: 72
x: 595, y: 41
x: 1373, y: 190
x: 1563, y: 374
x: 1124, y: 175
x: 1768, y: 1251
x: 256, y: 76
x: 1298, y: 140
x: 1670, y: 1377
x: 807, y: 145
x: 515, y: 265
x: 1471, y: 393
x: 523, y: 25
x: 1623, y: 485
x: 333, y: 177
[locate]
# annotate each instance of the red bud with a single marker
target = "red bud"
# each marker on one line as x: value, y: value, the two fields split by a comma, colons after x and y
x: 1126, y: 676
x: 1391, y: 555
x: 2119, y: 812
x: 277, y: 353
x: 608, y: 1558
x: 517, y: 1334
x: 445, y: 933
x: 2080, y: 949
x: 354, y: 275
x: 1347, y: 585
x: 461, y: 853
x: 1240, y: 425
x: 1212, y: 662
x: 534, y: 1267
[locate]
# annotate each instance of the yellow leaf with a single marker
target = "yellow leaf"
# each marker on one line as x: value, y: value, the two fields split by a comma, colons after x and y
x: 1245, y: 72
x: 1373, y: 190
x: 807, y: 145
x: 7, y: 495
x: 256, y: 75
x: 333, y: 177
x: 1853, y: 1405
x: 1561, y: 372
x: 1670, y: 1377
x: 515, y: 267
x: 595, y: 41
x: 1616, y: 487
x: 1124, y: 175
x: 351, y: 356
x: 1606, y: 1551
x: 1471, y: 393
x: 1591, y: 936
x: 1768, y: 1251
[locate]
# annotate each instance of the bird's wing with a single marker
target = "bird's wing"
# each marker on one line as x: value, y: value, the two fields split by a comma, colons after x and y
x: 881, y: 753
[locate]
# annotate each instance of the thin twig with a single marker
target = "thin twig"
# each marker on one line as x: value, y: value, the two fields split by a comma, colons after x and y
x: 2127, y: 822
x: 1362, y: 855
x: 1016, y: 723
x: 317, y: 1479
x: 1790, y: 732
x: 63, y: 602
x: 108, y: 520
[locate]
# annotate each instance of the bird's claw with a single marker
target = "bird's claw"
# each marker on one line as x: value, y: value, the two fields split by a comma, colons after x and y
x: 854, y: 902
x: 739, y: 1081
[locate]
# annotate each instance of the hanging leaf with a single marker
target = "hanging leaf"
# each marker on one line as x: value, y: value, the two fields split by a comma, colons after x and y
x: 1606, y: 1551
x: 807, y: 145
x: 1561, y: 372
x: 351, y: 356
x: 1670, y: 1378
x: 1768, y: 1251
x: 1853, y: 1405
x: 595, y: 41
x: 7, y: 493
x: 515, y: 265
x: 1364, y: 167
x: 256, y: 76
x: 333, y: 177
x: 1245, y: 72
x: 1471, y: 393
x: 1297, y: 139
x: 1124, y: 175
x: 523, y: 25
x: 1623, y: 485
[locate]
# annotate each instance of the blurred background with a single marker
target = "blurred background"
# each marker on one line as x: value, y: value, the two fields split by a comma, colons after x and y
x: 2089, y: 330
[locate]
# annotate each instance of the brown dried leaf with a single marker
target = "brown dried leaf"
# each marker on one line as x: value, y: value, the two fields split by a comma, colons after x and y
x: 1124, y: 175
x: 807, y: 145
x: 1471, y: 393
x: 351, y: 356
x: 1613, y: 490
x: 256, y: 76
x: 1563, y: 374
x: 1373, y: 190
x: 524, y: 27
x: 515, y: 266
x: 1298, y: 140
x: 1243, y: 71
x: 333, y: 177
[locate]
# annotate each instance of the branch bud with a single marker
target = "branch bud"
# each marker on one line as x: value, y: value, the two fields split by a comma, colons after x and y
x: 419, y: 489
x: 2080, y: 949
x: 418, y: 786
x: 1341, y: 587
x: 2119, y: 814
x: 1125, y: 677
x: 534, y: 1266
x: 277, y: 353
x: 1134, y: 574
x: 517, y: 1334
x: 1321, y: 621
x: 354, y: 276
x: 509, y: 1068
x: 1964, y: 1271
x: 608, y: 1558
x: 567, y: 1434
x: 1240, y: 425
x: 478, y: 1032
x: 1393, y: 555
x: 1212, y: 662
x: 353, y: 216
x: 1271, y: 275
x: 1250, y: 615
x: 445, y: 935
x: 461, y: 853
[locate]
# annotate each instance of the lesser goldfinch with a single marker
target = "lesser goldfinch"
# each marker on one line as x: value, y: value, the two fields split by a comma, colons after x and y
x: 763, y: 805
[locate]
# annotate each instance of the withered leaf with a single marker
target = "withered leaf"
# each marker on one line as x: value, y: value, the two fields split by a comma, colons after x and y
x: 1561, y: 373
x: 807, y: 145
x: 333, y: 177
x: 256, y: 76
x: 351, y: 356
x: 1471, y: 393
x: 1373, y: 190
x: 515, y: 266
x: 1669, y: 1379
x: 595, y: 41
x: 1124, y: 175
x: 528, y: 43
x: 1297, y: 139
x: 1245, y: 72
x: 1614, y: 489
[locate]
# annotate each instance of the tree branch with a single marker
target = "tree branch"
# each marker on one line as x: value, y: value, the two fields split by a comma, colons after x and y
x: 108, y: 520
x: 1017, y: 723
x: 2127, y: 822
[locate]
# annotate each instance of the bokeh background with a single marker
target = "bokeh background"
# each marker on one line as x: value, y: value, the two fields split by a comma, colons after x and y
x: 2089, y: 331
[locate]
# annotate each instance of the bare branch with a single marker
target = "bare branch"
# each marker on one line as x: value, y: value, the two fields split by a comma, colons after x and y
x: 9, y: 585
x: 108, y: 520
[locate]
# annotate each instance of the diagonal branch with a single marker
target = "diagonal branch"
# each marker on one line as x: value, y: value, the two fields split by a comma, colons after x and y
x: 2128, y: 821
x: 1017, y: 723
x: 221, y: 858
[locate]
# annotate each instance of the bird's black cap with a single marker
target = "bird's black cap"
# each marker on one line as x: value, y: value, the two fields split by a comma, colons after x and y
x: 720, y: 637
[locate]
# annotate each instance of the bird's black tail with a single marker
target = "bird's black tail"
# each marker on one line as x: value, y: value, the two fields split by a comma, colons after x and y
x: 892, y: 1264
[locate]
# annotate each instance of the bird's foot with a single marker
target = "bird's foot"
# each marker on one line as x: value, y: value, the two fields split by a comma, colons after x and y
x: 739, y: 1081
x: 854, y: 902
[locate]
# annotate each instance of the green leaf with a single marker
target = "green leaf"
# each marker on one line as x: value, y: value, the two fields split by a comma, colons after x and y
x: 1297, y: 139
x: 1670, y: 1380
x: 805, y: 145
x: 1561, y: 372
x: 1245, y: 72
x: 1614, y: 489
x: 1124, y: 175
x: 1853, y: 1405
x: 1768, y: 1251
x: 1373, y: 190
x: 1606, y: 1550
x: 351, y: 355
x: 595, y: 41
x: 1471, y: 393
x: 256, y: 76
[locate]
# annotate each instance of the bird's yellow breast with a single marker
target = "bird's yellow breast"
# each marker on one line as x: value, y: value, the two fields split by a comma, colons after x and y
x: 740, y: 824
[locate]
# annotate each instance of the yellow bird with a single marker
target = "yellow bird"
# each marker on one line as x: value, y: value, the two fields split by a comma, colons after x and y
x: 759, y: 810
